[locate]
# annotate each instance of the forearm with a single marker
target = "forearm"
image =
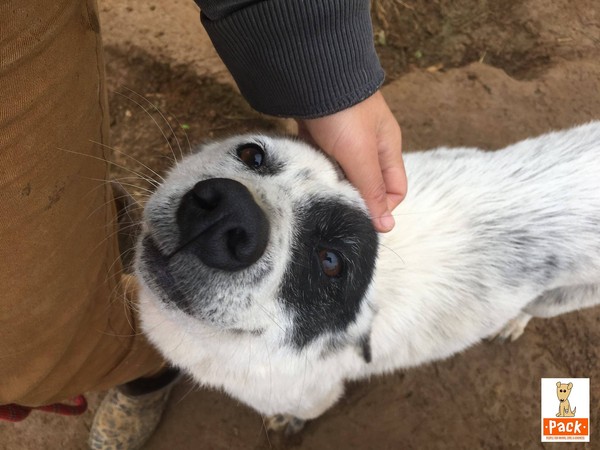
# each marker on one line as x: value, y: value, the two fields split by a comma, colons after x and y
x: 296, y: 58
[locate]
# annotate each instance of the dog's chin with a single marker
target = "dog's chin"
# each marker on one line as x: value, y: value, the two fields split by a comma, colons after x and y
x: 159, y: 306
x: 165, y: 290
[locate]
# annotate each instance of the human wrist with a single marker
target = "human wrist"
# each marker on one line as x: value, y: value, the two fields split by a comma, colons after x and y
x: 310, y: 59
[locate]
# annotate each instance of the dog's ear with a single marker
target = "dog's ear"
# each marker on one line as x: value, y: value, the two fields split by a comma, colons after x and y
x: 558, y: 384
x: 364, y: 347
x: 570, y: 386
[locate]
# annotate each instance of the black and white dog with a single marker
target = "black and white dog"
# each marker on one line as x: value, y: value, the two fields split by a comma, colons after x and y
x: 262, y: 275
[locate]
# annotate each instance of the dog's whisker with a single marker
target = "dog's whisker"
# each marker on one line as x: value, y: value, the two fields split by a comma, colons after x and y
x: 158, y: 110
x: 120, y: 181
x: 122, y: 286
x: 154, y: 120
x: 270, y: 316
x: 185, y: 134
x: 133, y: 158
x: 126, y: 301
x: 248, y: 363
x: 118, y: 228
x: 112, y: 163
x: 110, y: 235
x: 102, y: 183
x: 110, y: 201
x: 409, y: 213
x: 129, y: 179
x: 119, y: 259
x: 387, y: 247
x: 298, y: 405
x: 193, y: 388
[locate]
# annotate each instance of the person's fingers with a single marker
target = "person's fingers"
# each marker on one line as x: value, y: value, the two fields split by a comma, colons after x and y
x: 363, y: 170
x: 358, y: 157
x: 395, y: 195
x: 366, y: 141
x: 392, y: 164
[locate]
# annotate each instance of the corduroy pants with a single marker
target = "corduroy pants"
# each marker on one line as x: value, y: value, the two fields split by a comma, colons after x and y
x: 67, y: 313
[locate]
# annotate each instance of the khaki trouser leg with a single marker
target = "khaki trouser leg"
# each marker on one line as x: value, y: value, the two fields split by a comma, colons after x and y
x: 67, y: 324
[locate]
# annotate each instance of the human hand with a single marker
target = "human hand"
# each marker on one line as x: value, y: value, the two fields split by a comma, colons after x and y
x: 366, y: 141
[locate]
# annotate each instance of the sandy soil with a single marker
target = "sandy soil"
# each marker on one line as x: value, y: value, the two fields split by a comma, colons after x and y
x: 468, y: 72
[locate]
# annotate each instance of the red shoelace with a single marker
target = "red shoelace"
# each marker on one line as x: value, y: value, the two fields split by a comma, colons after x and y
x: 16, y: 413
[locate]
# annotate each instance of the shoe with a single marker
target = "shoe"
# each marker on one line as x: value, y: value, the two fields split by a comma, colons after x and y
x: 130, y: 413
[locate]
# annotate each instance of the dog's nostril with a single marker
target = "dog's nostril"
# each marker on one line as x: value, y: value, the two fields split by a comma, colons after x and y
x: 236, y: 239
x: 207, y: 199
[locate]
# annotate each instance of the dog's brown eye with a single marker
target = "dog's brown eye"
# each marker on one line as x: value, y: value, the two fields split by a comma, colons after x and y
x: 331, y: 263
x: 252, y: 155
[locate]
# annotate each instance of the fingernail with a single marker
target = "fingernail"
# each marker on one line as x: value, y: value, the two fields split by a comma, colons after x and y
x: 387, y: 222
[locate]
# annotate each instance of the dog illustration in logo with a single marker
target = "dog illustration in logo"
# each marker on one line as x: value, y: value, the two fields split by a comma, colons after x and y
x: 562, y: 392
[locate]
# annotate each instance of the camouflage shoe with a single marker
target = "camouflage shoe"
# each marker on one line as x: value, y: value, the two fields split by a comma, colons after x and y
x: 130, y: 413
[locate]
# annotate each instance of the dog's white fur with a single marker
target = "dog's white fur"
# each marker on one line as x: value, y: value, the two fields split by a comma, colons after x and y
x: 482, y: 239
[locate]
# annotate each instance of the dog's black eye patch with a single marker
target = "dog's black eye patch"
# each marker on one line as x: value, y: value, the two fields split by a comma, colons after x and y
x: 252, y: 155
x: 334, y: 250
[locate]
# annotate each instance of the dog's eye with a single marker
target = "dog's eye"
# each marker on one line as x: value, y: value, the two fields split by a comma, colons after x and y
x: 251, y: 155
x: 331, y: 263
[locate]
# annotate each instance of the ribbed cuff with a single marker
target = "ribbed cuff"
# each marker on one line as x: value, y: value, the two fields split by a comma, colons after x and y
x: 300, y: 59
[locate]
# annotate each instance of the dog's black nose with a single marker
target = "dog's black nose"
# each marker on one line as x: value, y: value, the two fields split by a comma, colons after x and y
x: 220, y: 222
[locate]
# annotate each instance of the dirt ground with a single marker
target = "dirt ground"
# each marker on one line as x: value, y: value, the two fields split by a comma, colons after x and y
x: 466, y: 72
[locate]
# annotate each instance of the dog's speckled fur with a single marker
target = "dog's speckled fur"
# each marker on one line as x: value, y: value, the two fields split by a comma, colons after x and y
x: 483, y: 241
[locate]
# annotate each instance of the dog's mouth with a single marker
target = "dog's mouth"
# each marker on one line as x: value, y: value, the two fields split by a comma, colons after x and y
x: 219, y: 233
x: 182, y: 282
x: 155, y: 272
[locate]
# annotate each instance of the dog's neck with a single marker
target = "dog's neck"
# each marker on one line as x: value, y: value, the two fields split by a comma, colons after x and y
x: 431, y: 267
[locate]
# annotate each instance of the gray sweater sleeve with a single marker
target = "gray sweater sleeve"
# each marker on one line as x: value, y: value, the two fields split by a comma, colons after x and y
x: 296, y: 58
